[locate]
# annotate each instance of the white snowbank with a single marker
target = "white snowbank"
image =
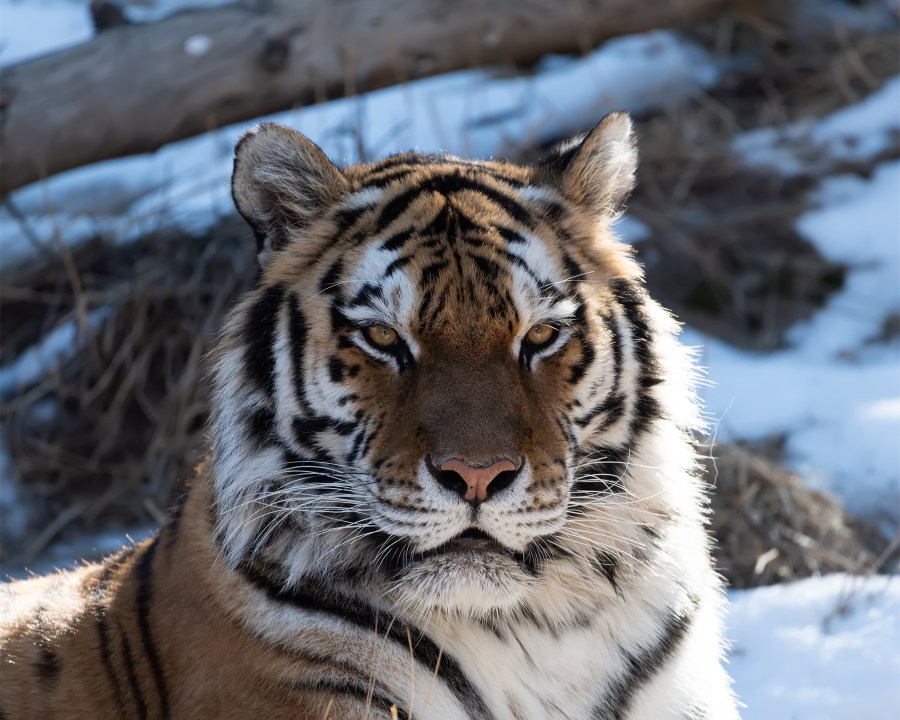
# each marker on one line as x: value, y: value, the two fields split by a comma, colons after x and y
x: 836, y: 399
x: 820, y: 649
x: 29, y: 28
x: 834, y: 394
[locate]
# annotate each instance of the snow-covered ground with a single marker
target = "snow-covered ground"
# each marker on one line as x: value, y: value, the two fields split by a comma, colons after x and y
x: 813, y: 650
x: 835, y: 392
x: 818, y: 649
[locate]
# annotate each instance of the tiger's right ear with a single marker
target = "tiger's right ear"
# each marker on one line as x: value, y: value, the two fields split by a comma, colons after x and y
x: 596, y: 171
x: 282, y: 181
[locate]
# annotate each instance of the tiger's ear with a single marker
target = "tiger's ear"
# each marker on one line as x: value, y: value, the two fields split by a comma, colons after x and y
x: 282, y: 181
x: 596, y: 171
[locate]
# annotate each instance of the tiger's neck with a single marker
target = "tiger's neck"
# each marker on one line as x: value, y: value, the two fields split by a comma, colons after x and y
x: 298, y: 629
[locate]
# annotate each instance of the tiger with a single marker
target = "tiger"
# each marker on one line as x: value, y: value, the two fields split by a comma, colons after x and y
x: 451, y: 470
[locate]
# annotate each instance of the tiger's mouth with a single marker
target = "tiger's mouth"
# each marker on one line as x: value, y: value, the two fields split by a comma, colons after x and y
x: 472, y: 571
x: 474, y: 543
x: 473, y: 540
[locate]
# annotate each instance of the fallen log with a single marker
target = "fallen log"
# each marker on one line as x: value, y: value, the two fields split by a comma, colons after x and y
x: 137, y: 87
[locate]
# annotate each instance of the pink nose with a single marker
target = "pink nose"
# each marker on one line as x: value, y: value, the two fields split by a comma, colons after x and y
x: 477, y: 479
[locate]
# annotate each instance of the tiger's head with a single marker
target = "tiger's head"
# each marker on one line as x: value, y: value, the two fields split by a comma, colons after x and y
x: 449, y: 379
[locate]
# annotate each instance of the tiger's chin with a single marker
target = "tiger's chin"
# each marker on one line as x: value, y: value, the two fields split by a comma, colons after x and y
x: 474, y: 582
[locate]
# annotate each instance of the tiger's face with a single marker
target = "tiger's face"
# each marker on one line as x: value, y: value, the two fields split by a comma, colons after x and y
x: 438, y: 353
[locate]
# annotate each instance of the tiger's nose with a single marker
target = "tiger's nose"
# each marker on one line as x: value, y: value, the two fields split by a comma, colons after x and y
x: 476, y: 484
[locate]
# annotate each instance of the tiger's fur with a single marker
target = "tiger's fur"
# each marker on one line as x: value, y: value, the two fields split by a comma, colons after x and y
x: 320, y: 565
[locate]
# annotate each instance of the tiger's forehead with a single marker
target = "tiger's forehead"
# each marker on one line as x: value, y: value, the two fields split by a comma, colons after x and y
x: 452, y: 240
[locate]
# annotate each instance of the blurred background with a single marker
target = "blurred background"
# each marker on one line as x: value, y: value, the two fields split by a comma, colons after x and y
x: 767, y: 216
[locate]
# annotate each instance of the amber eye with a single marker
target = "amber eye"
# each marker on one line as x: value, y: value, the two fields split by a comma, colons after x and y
x: 382, y: 336
x: 541, y: 335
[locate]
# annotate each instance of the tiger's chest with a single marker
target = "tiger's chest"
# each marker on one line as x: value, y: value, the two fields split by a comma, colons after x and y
x: 530, y: 672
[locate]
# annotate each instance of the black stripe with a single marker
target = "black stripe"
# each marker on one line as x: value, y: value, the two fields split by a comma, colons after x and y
x: 100, y: 609
x: 575, y: 273
x: 613, y: 327
x: 359, y: 690
x: 366, y: 294
x: 613, y: 407
x: 336, y: 369
x: 511, y: 236
x: 614, y: 410
x: 448, y: 184
x: 143, y: 571
x: 440, y: 225
x: 356, y: 446
x: 260, y: 425
x: 345, y: 218
x: 397, y: 264
x: 47, y: 665
x: 612, y: 464
x: 259, y: 331
x: 640, y: 667
x: 520, y: 262
x: 399, y: 205
x: 488, y: 268
x: 137, y: 692
x: 467, y: 225
x: 399, y: 167
x: 175, y: 515
x: 578, y: 371
x: 454, y: 182
x: 412, y: 159
x: 386, y: 178
x: 645, y: 408
x: 432, y: 272
x: 631, y: 298
x: 298, y: 335
x: 397, y: 241
x: 304, y: 427
x: 319, y: 599
x: 597, y: 410
x: 329, y: 282
x: 607, y: 566
x: 339, y: 321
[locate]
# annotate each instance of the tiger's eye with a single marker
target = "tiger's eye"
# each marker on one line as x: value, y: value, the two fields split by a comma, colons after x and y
x: 540, y: 335
x: 383, y: 336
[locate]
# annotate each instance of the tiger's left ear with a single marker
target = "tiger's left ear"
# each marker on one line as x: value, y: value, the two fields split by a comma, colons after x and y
x: 282, y: 182
x: 596, y: 171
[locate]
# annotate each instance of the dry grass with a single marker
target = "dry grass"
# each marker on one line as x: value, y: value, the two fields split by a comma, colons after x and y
x: 119, y: 425
x: 723, y: 252
x: 771, y: 528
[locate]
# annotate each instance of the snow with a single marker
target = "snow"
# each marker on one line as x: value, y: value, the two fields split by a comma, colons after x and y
x: 834, y: 394
x: 61, y: 23
x: 471, y: 113
x: 29, y: 28
x: 859, y: 133
x: 820, y: 649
